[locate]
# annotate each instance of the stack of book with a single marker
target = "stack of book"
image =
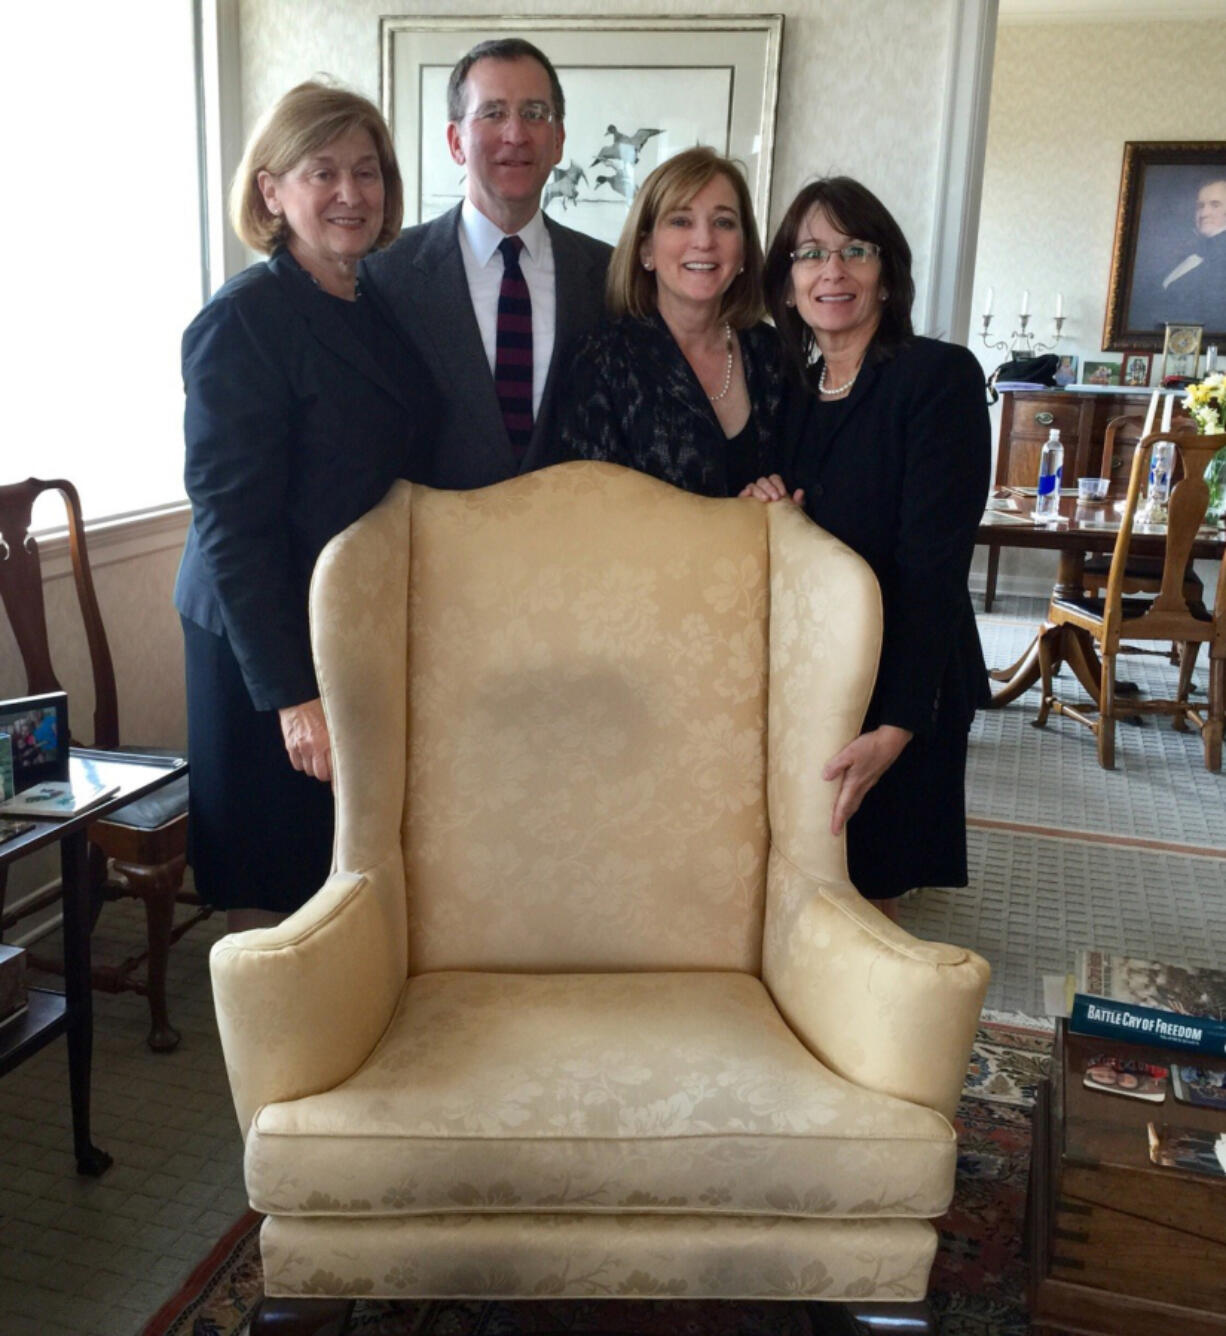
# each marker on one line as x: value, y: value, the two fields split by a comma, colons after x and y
x: 13, y: 996
x: 1145, y: 1002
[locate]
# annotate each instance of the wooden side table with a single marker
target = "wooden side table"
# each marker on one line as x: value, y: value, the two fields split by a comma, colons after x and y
x: 71, y: 1013
x: 1118, y: 1246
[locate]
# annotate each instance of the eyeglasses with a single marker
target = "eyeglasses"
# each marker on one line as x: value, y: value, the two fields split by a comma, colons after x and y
x: 498, y: 113
x: 855, y: 253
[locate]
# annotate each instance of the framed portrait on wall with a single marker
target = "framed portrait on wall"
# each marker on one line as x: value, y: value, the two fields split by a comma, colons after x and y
x: 1169, y: 261
x: 638, y: 90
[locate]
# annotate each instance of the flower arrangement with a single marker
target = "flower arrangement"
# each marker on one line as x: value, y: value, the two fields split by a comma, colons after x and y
x: 1206, y: 401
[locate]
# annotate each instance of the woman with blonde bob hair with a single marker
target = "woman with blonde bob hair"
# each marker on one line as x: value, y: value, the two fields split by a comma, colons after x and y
x: 684, y: 382
x: 307, y: 119
x: 304, y: 405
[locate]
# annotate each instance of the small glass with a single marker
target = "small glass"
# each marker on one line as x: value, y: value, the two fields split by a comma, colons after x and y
x: 1091, y: 490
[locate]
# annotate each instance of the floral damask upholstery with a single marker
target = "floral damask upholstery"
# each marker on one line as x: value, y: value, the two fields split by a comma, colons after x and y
x: 588, y: 1006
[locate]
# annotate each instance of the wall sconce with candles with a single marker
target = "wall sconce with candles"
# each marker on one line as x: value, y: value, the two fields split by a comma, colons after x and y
x: 1021, y: 343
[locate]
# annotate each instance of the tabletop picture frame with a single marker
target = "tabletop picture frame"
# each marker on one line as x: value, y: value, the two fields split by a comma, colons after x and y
x: 37, y: 728
x: 1100, y: 373
x: 687, y: 80
x: 1168, y: 263
x: 1136, y: 367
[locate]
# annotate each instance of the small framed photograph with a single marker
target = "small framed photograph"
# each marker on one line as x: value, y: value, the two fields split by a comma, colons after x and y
x: 1136, y: 369
x: 1066, y: 370
x: 1100, y: 373
x: 1181, y: 350
x: 37, y: 728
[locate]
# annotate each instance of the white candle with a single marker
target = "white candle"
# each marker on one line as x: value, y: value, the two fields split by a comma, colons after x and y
x: 1153, y: 412
x: 1059, y: 304
x: 987, y: 303
x: 1167, y: 409
x: 1025, y: 303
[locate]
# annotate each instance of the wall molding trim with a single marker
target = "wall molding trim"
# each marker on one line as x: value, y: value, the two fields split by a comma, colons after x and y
x: 120, y: 538
x: 1014, y: 13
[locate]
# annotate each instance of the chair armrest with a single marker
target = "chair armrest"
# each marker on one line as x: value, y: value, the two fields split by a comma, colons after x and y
x: 300, y: 1006
x: 881, y: 1008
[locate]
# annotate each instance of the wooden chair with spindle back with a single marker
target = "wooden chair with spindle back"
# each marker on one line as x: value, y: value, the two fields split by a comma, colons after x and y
x: 1080, y: 626
x: 145, y: 842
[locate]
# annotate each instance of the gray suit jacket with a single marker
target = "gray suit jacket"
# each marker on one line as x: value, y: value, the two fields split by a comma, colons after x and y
x: 421, y: 278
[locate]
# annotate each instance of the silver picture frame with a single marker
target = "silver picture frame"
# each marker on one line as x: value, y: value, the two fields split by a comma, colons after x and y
x: 687, y: 81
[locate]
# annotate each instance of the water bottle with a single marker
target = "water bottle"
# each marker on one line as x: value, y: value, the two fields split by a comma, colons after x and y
x: 1161, y: 461
x: 1051, y: 470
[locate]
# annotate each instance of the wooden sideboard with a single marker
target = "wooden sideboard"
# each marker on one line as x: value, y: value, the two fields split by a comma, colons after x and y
x: 1026, y: 418
x: 1028, y: 415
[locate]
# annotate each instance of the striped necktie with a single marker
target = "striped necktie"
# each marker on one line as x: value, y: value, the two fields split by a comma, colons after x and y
x: 513, y: 348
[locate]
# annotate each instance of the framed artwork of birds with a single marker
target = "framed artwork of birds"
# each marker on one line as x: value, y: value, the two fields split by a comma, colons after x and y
x: 637, y: 91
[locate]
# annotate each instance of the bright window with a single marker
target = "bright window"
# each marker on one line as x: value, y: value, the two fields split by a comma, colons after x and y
x: 103, y: 252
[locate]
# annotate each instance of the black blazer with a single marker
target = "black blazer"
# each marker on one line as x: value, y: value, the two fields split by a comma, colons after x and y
x: 294, y: 429
x: 633, y: 399
x: 421, y: 278
x: 903, y: 480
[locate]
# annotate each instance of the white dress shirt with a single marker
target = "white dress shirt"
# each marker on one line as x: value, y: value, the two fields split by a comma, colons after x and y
x: 479, y: 239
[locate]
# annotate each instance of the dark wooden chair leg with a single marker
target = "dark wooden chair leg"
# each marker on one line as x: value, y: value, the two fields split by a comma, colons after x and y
x: 989, y: 588
x: 157, y: 887
x: 866, y: 1318
x: 301, y: 1317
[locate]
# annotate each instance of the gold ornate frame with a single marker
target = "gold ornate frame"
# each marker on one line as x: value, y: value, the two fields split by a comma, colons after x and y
x: 1139, y: 159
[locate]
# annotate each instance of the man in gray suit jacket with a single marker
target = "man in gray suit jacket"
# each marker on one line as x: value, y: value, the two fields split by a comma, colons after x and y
x: 443, y: 278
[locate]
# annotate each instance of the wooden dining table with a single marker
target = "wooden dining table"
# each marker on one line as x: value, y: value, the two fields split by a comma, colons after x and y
x: 1082, y: 529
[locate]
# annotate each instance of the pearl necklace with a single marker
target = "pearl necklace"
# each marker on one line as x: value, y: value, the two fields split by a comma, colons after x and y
x: 715, y: 398
x: 823, y: 388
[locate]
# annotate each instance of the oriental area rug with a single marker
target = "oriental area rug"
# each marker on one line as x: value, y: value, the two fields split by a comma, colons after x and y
x: 978, y: 1279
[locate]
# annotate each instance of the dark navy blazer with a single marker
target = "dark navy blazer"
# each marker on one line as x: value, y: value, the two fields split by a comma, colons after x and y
x: 294, y: 428
x: 421, y: 277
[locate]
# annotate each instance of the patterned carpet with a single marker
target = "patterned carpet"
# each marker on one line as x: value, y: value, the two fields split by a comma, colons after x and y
x: 977, y: 1282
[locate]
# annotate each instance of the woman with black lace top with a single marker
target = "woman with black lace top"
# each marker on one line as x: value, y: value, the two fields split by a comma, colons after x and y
x: 684, y: 381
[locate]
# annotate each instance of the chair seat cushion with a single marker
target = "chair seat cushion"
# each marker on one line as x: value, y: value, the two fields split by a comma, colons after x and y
x: 154, y: 810
x: 1094, y: 605
x: 1131, y: 608
x: 1137, y: 568
x: 652, y: 1092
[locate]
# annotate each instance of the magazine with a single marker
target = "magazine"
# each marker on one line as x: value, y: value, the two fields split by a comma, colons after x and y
x: 1198, y: 1085
x: 57, y: 798
x: 1190, y: 1148
x: 10, y: 829
x: 1124, y: 1076
x: 1147, y: 1002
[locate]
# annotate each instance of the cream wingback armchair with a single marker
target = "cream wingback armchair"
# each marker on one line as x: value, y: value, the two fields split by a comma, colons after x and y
x: 588, y: 1006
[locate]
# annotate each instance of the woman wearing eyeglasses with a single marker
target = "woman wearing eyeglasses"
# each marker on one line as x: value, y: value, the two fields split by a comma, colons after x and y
x: 684, y: 382
x: 885, y: 440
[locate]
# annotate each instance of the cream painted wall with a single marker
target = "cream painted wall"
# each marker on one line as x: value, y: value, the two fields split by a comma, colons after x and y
x: 1065, y: 98
x: 861, y: 89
